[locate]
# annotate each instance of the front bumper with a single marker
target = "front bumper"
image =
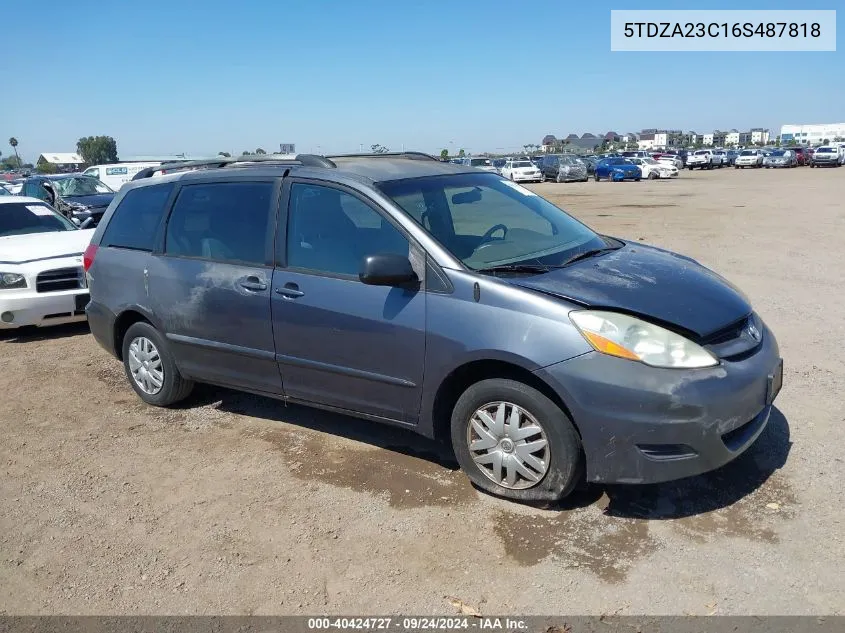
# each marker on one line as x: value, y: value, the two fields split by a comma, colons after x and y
x: 42, y: 309
x: 642, y: 424
x: 527, y: 177
x: 572, y: 176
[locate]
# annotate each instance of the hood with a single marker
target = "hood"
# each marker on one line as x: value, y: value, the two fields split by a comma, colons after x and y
x: 20, y: 249
x: 650, y: 282
x: 97, y: 200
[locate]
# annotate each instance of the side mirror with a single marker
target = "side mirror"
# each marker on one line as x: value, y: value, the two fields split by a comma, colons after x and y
x: 387, y: 269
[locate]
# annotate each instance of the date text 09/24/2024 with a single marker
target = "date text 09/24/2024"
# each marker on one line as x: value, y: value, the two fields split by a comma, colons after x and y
x: 455, y: 623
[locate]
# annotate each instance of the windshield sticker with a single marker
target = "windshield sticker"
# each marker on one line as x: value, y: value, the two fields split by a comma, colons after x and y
x: 519, y: 188
x: 38, y: 209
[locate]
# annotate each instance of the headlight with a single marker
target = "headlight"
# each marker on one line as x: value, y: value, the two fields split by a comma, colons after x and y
x: 12, y: 280
x: 625, y: 336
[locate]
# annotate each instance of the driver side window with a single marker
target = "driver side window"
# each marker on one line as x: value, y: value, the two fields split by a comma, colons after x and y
x: 331, y: 231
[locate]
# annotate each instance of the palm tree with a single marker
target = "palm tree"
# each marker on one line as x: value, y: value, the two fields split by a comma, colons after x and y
x: 14, y: 143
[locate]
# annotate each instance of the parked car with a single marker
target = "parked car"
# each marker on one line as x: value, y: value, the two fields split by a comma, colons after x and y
x: 669, y: 159
x: 725, y: 157
x: 617, y: 169
x: 484, y: 164
x: 498, y: 163
x: 522, y: 171
x: 441, y: 299
x: 652, y: 169
x: 802, y: 155
x: 41, y: 278
x: 703, y: 159
x: 14, y: 186
x: 564, y: 168
x: 826, y: 156
x: 780, y: 158
x: 590, y: 162
x: 115, y: 175
x: 731, y: 156
x: 81, y: 198
x: 749, y: 158
x: 680, y: 153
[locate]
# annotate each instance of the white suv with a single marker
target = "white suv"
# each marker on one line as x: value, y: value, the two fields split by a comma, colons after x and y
x: 703, y: 159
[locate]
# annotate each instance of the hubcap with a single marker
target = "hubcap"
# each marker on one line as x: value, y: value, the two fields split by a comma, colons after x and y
x: 145, y: 365
x: 508, y: 445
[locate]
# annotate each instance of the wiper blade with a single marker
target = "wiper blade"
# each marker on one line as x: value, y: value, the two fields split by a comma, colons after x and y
x: 516, y: 268
x: 587, y: 254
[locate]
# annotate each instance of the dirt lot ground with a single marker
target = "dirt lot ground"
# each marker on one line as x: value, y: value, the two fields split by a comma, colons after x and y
x: 236, y: 504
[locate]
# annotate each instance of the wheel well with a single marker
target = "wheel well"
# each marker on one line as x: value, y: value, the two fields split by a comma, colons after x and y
x: 466, y: 375
x: 121, y: 325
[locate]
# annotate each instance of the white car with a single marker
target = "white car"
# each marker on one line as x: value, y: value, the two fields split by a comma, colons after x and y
x: 671, y: 159
x: 653, y: 169
x: 522, y: 171
x: 749, y: 158
x: 41, y: 277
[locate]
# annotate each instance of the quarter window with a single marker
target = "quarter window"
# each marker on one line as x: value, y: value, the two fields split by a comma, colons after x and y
x: 332, y: 231
x: 223, y: 221
x: 135, y: 221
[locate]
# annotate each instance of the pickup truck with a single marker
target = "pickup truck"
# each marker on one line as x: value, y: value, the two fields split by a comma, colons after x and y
x: 703, y: 159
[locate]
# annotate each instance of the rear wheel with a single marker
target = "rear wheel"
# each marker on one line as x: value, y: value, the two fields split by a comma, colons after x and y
x: 652, y: 175
x: 514, y: 442
x: 150, y: 367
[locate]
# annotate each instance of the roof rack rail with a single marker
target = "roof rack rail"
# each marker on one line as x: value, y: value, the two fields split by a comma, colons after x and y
x: 409, y: 155
x: 306, y: 160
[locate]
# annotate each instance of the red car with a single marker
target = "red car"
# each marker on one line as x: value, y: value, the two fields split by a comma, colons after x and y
x: 802, y: 154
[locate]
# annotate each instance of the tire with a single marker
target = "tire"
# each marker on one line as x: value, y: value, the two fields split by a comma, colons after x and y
x: 557, y: 178
x: 652, y: 176
x: 174, y: 387
x: 637, y: 179
x: 689, y: 167
x: 811, y: 165
x: 563, y: 456
x: 597, y: 177
x: 736, y: 166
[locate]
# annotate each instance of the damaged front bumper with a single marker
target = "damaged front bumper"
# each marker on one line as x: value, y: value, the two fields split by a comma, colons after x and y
x: 642, y: 424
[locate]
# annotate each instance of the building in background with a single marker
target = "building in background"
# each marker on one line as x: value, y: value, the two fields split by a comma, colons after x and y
x: 64, y: 162
x: 812, y: 134
x: 759, y: 135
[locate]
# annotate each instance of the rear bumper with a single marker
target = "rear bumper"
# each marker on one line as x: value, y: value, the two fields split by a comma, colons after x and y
x: 641, y: 424
x: 101, y: 322
x: 43, y: 309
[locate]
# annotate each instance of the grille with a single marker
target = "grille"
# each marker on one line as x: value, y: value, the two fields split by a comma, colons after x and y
x: 60, y: 279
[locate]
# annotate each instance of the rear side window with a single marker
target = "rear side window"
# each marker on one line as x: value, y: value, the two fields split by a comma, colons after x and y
x: 135, y: 221
x: 223, y: 221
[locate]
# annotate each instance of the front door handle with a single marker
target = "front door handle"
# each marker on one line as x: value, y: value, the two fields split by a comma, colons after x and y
x: 290, y: 291
x: 253, y: 284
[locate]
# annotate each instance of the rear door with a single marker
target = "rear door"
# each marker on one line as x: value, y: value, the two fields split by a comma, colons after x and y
x: 210, y: 283
x: 339, y: 342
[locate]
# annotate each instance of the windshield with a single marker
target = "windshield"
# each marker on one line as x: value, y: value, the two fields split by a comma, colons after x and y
x: 650, y: 161
x: 487, y: 221
x: 4, y: 191
x: 748, y: 152
x: 477, y: 162
x: 523, y: 163
x: 22, y: 218
x: 824, y: 150
x: 80, y: 186
x: 701, y: 152
x: 778, y: 153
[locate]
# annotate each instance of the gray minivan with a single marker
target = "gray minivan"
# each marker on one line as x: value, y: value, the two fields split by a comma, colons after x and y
x: 435, y: 297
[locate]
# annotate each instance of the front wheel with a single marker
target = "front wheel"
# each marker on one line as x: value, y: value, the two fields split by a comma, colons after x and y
x: 736, y: 166
x: 597, y: 177
x: 652, y: 176
x: 514, y: 442
x: 150, y: 367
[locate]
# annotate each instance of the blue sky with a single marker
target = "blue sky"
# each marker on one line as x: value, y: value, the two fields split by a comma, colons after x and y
x: 200, y: 77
